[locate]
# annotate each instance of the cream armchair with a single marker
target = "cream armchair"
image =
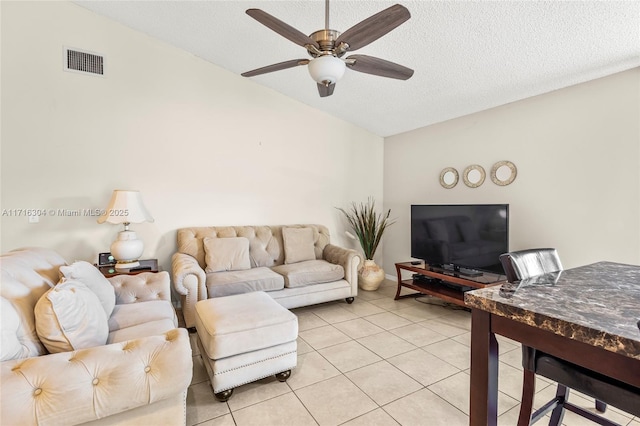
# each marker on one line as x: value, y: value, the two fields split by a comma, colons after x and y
x: 140, y: 376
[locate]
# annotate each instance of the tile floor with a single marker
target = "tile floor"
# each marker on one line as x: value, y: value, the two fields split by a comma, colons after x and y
x: 375, y: 362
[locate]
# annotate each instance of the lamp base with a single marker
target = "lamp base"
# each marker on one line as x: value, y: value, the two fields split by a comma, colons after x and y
x: 127, y: 265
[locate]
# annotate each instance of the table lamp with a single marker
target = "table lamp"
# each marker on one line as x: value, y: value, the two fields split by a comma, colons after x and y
x: 126, y: 207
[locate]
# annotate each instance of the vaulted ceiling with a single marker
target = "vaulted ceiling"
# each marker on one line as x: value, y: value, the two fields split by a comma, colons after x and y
x: 468, y: 56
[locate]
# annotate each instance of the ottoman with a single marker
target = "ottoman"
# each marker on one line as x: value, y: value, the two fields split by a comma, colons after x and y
x: 244, y: 338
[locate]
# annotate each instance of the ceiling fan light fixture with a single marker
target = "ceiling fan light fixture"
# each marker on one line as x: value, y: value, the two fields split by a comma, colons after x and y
x: 326, y: 69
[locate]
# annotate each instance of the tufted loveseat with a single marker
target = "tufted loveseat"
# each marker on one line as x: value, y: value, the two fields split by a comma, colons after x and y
x: 139, y: 376
x: 269, y: 269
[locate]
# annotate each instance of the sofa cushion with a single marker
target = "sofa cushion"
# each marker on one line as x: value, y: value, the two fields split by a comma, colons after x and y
x: 309, y: 272
x: 70, y: 317
x: 150, y: 328
x: 226, y: 254
x: 90, y: 276
x: 132, y: 314
x: 235, y: 282
x: 298, y: 245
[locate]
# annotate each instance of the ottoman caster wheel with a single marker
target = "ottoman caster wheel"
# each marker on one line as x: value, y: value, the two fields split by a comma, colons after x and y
x: 224, y: 395
x: 349, y: 300
x: 282, y: 377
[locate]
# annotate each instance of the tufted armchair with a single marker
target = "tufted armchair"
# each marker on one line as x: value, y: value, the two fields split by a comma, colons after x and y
x: 139, y: 376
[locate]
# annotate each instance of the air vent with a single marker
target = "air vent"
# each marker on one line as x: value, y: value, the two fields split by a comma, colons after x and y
x: 83, y: 62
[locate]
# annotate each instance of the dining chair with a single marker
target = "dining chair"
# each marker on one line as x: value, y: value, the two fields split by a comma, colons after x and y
x: 524, y: 264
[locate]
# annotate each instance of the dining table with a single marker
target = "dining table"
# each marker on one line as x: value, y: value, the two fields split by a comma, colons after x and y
x: 588, y: 315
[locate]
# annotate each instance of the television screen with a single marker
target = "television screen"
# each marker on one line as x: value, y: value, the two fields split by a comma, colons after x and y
x: 470, y: 236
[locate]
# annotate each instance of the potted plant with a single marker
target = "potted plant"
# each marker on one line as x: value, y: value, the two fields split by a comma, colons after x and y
x: 369, y: 227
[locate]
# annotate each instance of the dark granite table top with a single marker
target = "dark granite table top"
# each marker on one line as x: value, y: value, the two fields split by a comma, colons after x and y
x: 597, y: 304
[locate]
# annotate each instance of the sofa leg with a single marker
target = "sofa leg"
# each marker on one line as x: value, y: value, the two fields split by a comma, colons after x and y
x: 191, y: 329
x: 224, y: 395
x: 282, y: 377
x: 349, y: 300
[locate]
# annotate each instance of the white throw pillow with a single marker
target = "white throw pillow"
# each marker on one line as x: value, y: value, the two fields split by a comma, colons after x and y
x: 90, y: 276
x: 70, y: 317
x: 298, y: 245
x: 226, y: 254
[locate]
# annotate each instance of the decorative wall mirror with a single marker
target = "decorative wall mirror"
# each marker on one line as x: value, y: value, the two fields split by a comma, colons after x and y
x: 449, y: 177
x: 474, y: 176
x: 503, y: 173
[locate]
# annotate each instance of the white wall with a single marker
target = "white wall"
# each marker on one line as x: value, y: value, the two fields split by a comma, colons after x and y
x: 203, y: 145
x: 577, y: 152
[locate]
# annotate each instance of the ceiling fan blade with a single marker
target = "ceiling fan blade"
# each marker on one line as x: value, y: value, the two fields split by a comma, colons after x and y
x: 377, y: 66
x: 326, y: 90
x: 281, y: 28
x: 374, y: 27
x: 276, y: 67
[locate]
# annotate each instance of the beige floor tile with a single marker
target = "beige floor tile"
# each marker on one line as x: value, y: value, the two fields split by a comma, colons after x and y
x: 323, y: 337
x: 199, y: 371
x: 423, y: 366
x: 383, y: 382
x: 226, y: 420
x: 510, y: 381
x: 453, y: 352
x: 572, y: 419
x: 202, y: 405
x: 307, y: 320
x: 335, y: 401
x: 456, y: 390
x: 284, y: 410
x: 457, y: 318
x: 425, y: 408
x: 386, y: 344
x: 419, y: 313
x: 635, y: 422
x: 358, y: 328
x: 444, y: 328
x: 349, y: 356
x: 256, y: 392
x: 362, y: 308
x: 377, y: 417
x: 464, y: 338
x: 387, y: 320
x: 334, y: 313
x: 193, y: 340
x: 312, y: 368
x: 303, y: 347
x: 387, y: 303
x: 368, y: 295
x: 418, y: 335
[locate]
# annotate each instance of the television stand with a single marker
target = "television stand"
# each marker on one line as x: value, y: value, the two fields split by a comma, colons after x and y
x: 446, y: 284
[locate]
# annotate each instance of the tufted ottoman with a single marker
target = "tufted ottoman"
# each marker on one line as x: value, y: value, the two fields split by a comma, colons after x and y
x: 244, y: 338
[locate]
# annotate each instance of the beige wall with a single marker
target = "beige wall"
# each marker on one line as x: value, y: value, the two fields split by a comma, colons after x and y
x: 577, y: 151
x: 203, y: 145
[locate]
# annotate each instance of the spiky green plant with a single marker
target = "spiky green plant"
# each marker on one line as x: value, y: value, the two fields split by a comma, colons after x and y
x: 367, y: 224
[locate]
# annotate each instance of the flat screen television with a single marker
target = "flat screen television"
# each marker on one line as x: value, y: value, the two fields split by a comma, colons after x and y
x: 460, y: 236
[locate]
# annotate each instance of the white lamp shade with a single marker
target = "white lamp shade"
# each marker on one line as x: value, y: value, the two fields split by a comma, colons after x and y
x: 125, y: 207
x: 326, y: 69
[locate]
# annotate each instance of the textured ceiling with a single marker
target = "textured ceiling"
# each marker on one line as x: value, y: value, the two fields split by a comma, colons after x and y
x: 468, y: 56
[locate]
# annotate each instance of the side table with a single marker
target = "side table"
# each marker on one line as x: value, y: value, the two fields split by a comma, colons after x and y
x: 147, y: 265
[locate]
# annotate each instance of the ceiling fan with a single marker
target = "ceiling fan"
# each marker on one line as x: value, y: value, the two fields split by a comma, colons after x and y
x: 327, y: 46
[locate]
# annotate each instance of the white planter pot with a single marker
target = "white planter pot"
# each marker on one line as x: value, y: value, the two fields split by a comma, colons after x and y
x: 370, y: 276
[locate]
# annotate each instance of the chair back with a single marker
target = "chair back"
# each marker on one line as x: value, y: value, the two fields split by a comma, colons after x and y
x: 519, y: 265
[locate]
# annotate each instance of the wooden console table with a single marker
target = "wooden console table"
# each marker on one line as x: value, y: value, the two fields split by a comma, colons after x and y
x: 448, y: 285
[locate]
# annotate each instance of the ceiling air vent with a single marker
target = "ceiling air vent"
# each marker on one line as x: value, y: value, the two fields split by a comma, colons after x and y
x: 83, y: 62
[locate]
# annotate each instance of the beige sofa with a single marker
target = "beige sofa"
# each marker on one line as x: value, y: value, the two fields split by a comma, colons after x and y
x: 295, y: 264
x: 139, y: 375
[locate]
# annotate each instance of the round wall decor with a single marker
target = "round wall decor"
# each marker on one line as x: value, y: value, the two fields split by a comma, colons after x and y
x: 503, y: 173
x: 449, y: 177
x: 474, y: 176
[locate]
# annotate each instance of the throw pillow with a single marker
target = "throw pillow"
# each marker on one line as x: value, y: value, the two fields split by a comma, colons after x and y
x: 438, y: 230
x: 70, y: 317
x: 90, y: 276
x: 226, y: 254
x: 298, y: 245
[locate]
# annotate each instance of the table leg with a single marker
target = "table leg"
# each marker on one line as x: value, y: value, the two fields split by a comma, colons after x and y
x: 399, y: 275
x: 484, y: 371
